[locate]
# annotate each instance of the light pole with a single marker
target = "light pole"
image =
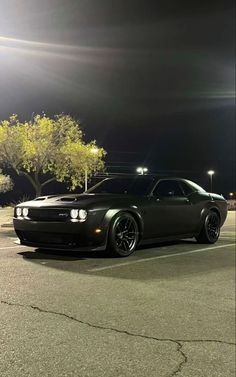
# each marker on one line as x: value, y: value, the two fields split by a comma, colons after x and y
x: 142, y: 170
x: 211, y: 173
x: 93, y: 150
x: 85, y: 179
x: 231, y: 195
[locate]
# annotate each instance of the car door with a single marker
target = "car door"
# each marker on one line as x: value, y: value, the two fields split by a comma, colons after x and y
x: 169, y: 212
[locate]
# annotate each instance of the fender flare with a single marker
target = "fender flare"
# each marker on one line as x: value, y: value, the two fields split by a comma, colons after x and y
x: 205, y: 211
x: 114, y: 211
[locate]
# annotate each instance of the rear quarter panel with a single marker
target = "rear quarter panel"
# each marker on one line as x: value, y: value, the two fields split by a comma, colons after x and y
x: 215, y: 203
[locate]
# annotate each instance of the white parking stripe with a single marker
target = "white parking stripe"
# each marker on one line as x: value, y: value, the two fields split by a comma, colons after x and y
x: 232, y: 238
x: 160, y: 257
x: 9, y: 247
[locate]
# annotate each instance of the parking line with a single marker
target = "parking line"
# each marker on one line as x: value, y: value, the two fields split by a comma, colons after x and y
x: 159, y: 257
x: 9, y: 247
x: 232, y: 238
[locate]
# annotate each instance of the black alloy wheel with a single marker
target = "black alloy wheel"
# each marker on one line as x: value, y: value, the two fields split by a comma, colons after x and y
x: 123, y: 235
x: 211, y: 229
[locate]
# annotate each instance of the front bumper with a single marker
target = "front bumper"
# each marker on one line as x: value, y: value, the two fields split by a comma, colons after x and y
x: 60, y: 247
x: 78, y: 236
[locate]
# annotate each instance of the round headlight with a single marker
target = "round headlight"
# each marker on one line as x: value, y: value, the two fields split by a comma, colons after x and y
x: 74, y: 213
x: 25, y: 212
x: 82, y: 214
x: 18, y: 211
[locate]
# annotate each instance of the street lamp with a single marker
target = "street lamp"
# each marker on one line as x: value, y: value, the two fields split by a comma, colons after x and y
x: 211, y: 173
x: 142, y: 170
x: 93, y: 150
x: 231, y: 195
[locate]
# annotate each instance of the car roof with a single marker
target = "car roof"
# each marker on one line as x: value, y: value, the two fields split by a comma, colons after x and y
x: 137, y: 176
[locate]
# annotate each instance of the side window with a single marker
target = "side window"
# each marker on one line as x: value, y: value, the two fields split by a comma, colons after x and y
x: 186, y: 188
x: 168, y: 189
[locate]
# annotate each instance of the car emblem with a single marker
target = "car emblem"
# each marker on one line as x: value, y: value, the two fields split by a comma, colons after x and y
x: 63, y: 214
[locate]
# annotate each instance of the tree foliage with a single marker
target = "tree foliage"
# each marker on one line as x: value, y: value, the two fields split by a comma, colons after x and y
x: 47, y: 146
x: 6, y: 183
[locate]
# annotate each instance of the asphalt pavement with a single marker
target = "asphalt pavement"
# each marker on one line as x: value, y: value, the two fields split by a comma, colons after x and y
x: 167, y: 310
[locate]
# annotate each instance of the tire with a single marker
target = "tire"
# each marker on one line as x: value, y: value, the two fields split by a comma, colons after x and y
x: 210, y: 231
x: 123, y: 235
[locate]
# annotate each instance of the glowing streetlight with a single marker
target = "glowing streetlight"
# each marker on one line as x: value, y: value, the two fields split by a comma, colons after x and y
x: 211, y: 173
x: 93, y: 150
x: 231, y: 195
x: 142, y: 170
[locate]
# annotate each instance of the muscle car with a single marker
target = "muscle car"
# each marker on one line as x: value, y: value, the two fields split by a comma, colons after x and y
x: 120, y: 213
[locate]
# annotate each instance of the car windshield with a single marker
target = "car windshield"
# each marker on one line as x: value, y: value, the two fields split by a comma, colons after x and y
x: 132, y: 186
x: 195, y: 187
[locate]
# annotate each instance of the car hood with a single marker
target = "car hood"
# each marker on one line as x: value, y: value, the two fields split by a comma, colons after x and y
x: 74, y: 201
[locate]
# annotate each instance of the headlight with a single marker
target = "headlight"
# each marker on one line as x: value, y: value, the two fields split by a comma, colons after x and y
x: 83, y: 214
x: 18, y: 211
x: 74, y: 213
x: 80, y: 214
x: 25, y: 212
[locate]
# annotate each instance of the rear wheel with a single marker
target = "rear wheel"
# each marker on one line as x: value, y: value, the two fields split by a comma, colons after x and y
x: 123, y: 235
x: 211, y: 229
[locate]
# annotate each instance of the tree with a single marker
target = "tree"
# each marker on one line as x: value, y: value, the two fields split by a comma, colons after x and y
x: 6, y: 183
x: 46, y: 149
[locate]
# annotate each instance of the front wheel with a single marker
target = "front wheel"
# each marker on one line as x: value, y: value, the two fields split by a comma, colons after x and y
x: 211, y: 229
x: 123, y: 235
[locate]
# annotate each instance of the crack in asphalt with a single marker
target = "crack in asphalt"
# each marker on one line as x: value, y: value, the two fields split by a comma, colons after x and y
x: 183, y: 362
x: 178, y: 342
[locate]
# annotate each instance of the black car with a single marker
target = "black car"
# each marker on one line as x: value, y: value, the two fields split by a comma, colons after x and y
x: 118, y: 214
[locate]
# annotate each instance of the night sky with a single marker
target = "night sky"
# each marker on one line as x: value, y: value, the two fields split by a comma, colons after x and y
x: 152, y: 81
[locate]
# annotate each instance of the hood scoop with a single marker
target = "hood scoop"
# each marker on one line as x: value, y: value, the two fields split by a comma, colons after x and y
x: 67, y: 199
x: 45, y: 197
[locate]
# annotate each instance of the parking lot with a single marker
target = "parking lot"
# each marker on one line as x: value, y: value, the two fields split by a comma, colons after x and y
x: 167, y: 310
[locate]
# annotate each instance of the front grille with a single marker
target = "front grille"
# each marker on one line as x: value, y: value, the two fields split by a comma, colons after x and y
x: 49, y: 214
x: 49, y: 238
